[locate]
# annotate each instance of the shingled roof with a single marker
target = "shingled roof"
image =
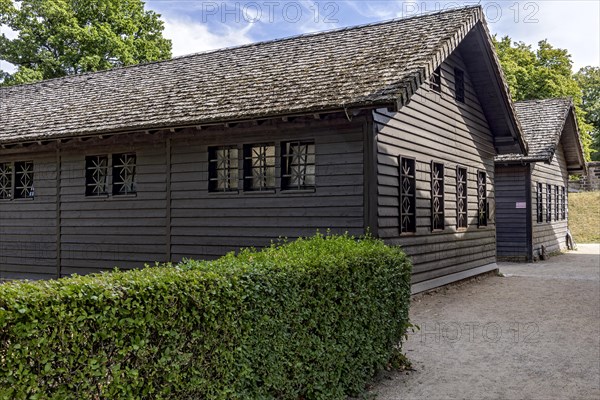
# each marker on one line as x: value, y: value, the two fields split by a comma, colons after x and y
x: 546, y: 123
x: 373, y: 65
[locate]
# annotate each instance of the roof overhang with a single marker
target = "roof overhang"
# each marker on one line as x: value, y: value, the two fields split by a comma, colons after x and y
x: 490, y: 84
x: 572, y: 146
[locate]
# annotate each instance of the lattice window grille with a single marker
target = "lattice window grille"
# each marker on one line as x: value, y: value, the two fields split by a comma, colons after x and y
x: 259, y: 168
x: 298, y: 165
x: 6, y: 181
x: 437, y: 196
x: 461, y: 198
x: 557, y: 203
x: 24, y: 180
x: 96, y: 175
x: 482, y: 214
x: 408, y: 218
x: 540, y: 203
x: 436, y: 81
x: 223, y: 168
x: 564, y: 204
x: 548, y: 203
x: 124, y: 166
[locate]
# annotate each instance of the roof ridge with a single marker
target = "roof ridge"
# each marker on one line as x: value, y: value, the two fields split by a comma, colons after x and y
x: 247, y: 45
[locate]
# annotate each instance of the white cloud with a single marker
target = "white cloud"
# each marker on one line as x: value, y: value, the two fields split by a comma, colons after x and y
x: 189, y: 36
x: 377, y: 10
x: 317, y: 17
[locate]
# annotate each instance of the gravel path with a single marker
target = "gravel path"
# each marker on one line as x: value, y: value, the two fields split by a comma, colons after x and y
x: 532, y: 334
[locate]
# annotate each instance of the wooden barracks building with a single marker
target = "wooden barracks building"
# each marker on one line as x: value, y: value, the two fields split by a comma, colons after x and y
x: 390, y: 127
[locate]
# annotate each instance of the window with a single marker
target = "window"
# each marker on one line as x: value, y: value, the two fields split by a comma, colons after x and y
x: 482, y: 211
x: 461, y: 198
x: 123, y: 170
x: 548, y: 203
x: 408, y: 218
x: 459, y: 85
x: 436, y: 81
x: 24, y: 180
x: 96, y: 175
x: 16, y: 180
x: 437, y: 196
x: 222, y: 169
x: 5, y: 181
x: 564, y: 204
x: 259, y: 167
x: 298, y: 165
x: 540, y: 203
x: 557, y: 203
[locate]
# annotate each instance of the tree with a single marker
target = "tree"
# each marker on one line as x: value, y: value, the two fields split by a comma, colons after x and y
x: 55, y: 38
x: 588, y: 79
x: 543, y: 74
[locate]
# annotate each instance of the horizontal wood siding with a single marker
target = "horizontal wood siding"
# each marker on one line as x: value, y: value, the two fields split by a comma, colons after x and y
x: 434, y: 127
x: 550, y: 234
x: 28, y: 226
x: 113, y: 231
x: 173, y: 216
x: 207, y: 225
x: 511, y: 222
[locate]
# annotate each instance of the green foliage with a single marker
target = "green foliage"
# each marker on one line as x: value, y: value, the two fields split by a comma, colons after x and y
x: 588, y: 79
x: 313, y: 319
x: 61, y: 37
x: 543, y: 74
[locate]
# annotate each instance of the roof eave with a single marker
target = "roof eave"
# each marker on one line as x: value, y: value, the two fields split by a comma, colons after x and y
x: 502, y: 86
x: 347, y: 109
x: 523, y: 160
x: 580, y: 154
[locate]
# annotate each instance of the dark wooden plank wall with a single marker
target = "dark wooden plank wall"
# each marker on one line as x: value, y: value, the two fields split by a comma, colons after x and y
x: 158, y: 224
x: 28, y: 226
x: 124, y: 231
x: 207, y: 224
x: 511, y: 222
x: 550, y: 234
x: 435, y: 127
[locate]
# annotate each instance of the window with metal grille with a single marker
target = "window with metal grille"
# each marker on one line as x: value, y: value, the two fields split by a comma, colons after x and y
x: 564, y: 204
x: 461, y: 198
x: 437, y: 196
x: 6, y: 181
x: 24, y: 180
x: 459, y: 85
x: 123, y: 174
x: 482, y: 210
x: 259, y: 167
x: 436, y: 81
x: 548, y: 203
x: 298, y: 165
x: 408, y: 218
x: 557, y: 203
x: 96, y: 175
x: 539, y: 203
x: 222, y: 169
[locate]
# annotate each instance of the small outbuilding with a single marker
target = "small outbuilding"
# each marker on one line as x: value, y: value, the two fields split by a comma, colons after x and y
x: 390, y: 128
x: 532, y: 206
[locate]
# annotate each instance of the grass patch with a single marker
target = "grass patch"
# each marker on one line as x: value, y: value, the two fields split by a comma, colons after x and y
x: 584, y: 216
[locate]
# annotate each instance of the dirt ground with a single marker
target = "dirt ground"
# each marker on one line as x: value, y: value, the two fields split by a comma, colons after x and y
x: 532, y: 334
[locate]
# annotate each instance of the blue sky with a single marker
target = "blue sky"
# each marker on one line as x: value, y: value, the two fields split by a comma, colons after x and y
x: 197, y: 25
x: 202, y: 25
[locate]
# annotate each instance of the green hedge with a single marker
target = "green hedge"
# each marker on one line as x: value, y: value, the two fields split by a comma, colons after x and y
x: 313, y: 319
